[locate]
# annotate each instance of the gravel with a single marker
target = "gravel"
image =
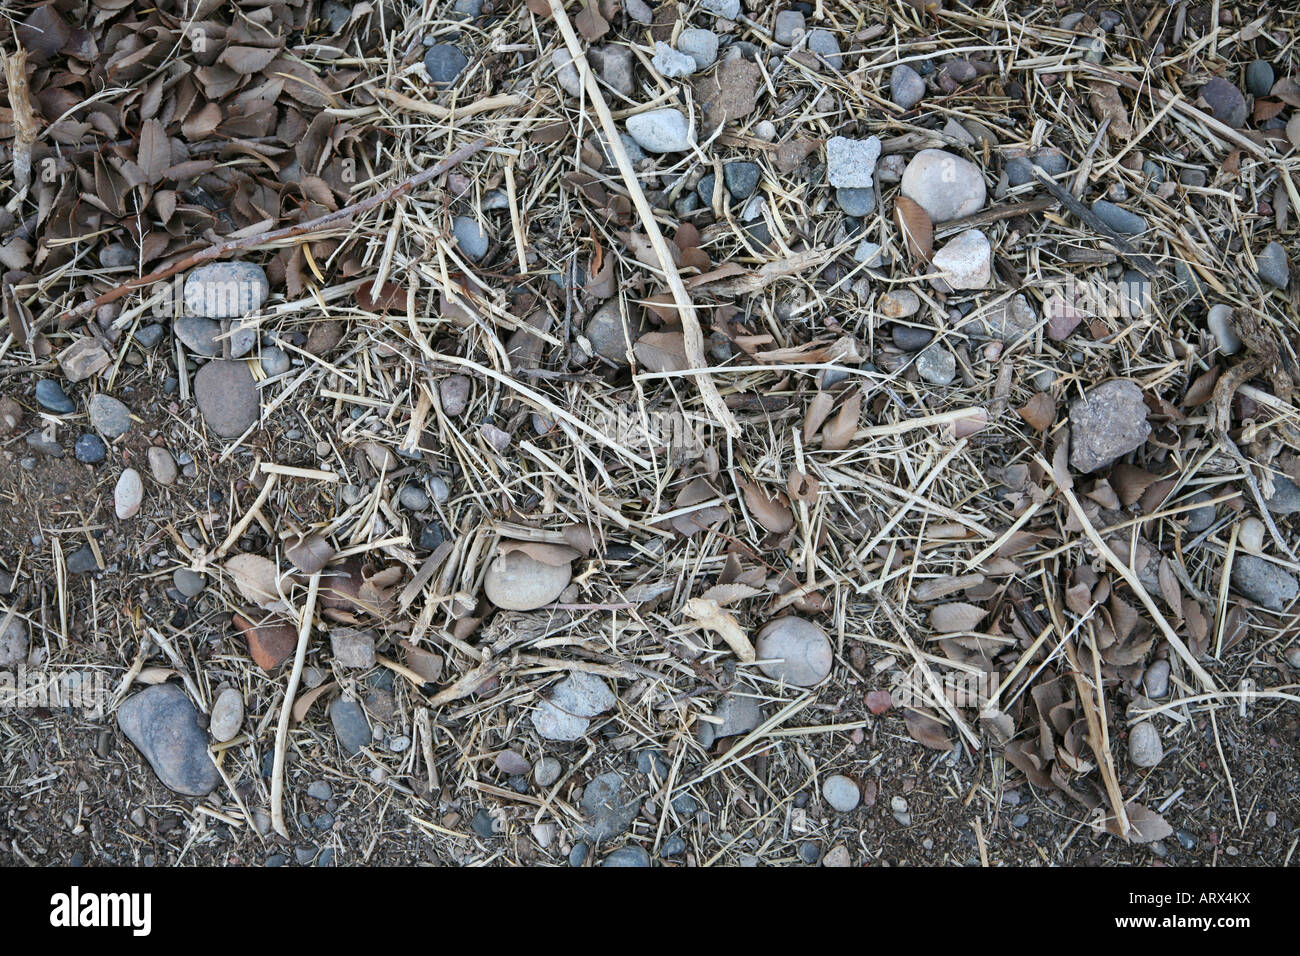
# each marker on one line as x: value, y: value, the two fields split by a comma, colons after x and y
x: 966, y: 261
x: 1144, y: 745
x: 471, y: 237
x: 670, y: 63
x: 1107, y: 422
x: 1264, y: 582
x: 227, y: 397
x: 227, y: 715
x: 51, y: 397
x: 1219, y: 321
x: 89, y: 449
x: 163, y: 724
x: 128, y: 494
x: 1118, y: 218
x: 937, y: 365
x: 700, y: 45
x: 1273, y: 265
x: 841, y: 793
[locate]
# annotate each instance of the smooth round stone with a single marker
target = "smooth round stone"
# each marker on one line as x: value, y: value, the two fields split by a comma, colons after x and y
x: 225, y: 290
x: 1144, y: 745
x: 413, y: 498
x: 546, y: 771
x: 444, y: 63
x: 628, y: 856
x: 857, y: 203
x: 51, y: 397
x: 162, y: 465
x: 1155, y: 682
x: 1259, y: 78
x: 517, y: 582
x: 911, y: 339
x: 945, y: 186
x: 1225, y: 102
x: 841, y: 792
x: 826, y: 46
x: 163, y: 724
x: 274, y: 361
x: 227, y: 715
x: 89, y: 449
x: 906, y: 88
x: 109, y: 417
x: 471, y: 238
x: 794, y: 650
x: 189, y: 583
x: 1118, y: 218
x: 1250, y: 537
x: 660, y: 131
x: 148, y: 336
x: 128, y: 494
x: 1274, y: 266
x: 899, y: 304
x: 1220, y: 323
x: 227, y: 397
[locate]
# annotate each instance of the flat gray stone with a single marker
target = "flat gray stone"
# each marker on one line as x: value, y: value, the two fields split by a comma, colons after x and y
x: 610, y: 334
x: 1145, y: 748
x: 227, y: 397
x: 14, y: 642
x: 471, y: 237
x: 727, y: 9
x: 1106, y: 422
x: 1225, y: 102
x: 1273, y: 265
x: 841, y: 792
x: 789, y: 27
x: 351, y: 729
x: 163, y: 724
x: 189, y: 583
x: 225, y: 290
x: 794, y: 650
x: 227, y: 715
x: 444, y: 63
x: 825, y: 45
x: 740, y: 712
x: 906, y: 87
x: 700, y: 45
x: 1286, y: 496
x: 627, y: 856
x: 1259, y: 78
x: 936, y: 365
x: 1220, y: 324
x: 1118, y: 218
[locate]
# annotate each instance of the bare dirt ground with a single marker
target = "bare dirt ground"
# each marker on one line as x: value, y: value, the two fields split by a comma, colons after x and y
x: 933, y: 525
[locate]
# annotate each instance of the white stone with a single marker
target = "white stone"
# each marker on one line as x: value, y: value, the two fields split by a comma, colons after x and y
x: 227, y: 715
x: 850, y: 163
x: 670, y: 63
x: 945, y: 186
x: 128, y: 494
x: 517, y: 582
x: 660, y: 131
x: 794, y: 650
x: 965, y: 262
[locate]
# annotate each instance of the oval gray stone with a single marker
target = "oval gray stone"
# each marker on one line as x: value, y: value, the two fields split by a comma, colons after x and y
x: 660, y: 131
x: 162, y: 465
x: 109, y: 417
x: 163, y: 724
x: 128, y: 494
x: 841, y: 792
x: 225, y: 290
x: 516, y: 581
x: 1264, y: 582
x: 227, y: 397
x: 1144, y: 745
x: 944, y: 185
x: 227, y: 715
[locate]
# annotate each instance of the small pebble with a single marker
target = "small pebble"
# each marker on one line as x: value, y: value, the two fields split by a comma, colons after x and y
x: 944, y: 185
x: 89, y: 449
x: 471, y: 238
x: 966, y: 261
x: 671, y: 63
x: 51, y: 397
x: 1155, y: 682
x: 699, y: 45
x: 660, y: 131
x: 1273, y: 266
x: 225, y: 290
x: 936, y: 365
x: 109, y: 417
x: 788, y: 27
x: 443, y: 63
x: 906, y: 88
x: 1219, y: 321
x: 850, y: 163
x: 1144, y: 745
x: 1259, y: 78
x: 189, y: 583
x: 227, y: 715
x: 413, y: 498
x: 128, y: 494
x: 161, y: 465
x: 841, y: 792
x: 275, y: 361
x: 794, y: 650
x: 546, y: 771
x: 1118, y: 218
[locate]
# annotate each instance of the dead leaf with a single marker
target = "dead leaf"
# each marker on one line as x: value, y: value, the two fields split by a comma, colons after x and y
x: 247, y: 60
x: 590, y: 23
x: 555, y: 555
x: 1039, y: 412
x: 303, y: 704
x: 917, y: 230
x: 838, y: 435
x: 926, y: 730
x: 725, y: 594
x: 154, y: 156
x: 662, y: 351
x: 256, y: 578
x: 773, y: 513
x: 955, y: 617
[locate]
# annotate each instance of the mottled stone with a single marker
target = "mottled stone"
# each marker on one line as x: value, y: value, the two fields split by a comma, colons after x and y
x: 225, y: 290
x: 1105, y: 423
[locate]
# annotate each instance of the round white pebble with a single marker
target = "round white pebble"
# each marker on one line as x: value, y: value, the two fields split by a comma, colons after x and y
x: 795, y: 651
x: 841, y: 792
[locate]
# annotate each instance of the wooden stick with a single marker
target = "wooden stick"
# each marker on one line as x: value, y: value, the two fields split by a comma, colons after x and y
x: 327, y: 221
x: 694, y: 338
x: 1093, y: 221
x: 286, y: 711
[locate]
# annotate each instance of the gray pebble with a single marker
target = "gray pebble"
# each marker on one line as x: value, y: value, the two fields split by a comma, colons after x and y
x: 1264, y: 582
x: 1118, y: 218
x: 609, y: 804
x: 1259, y: 78
x: 225, y: 290
x: 911, y: 339
x: 936, y: 365
x: 1273, y: 265
x: 1144, y: 745
x: 37, y: 442
x: 660, y: 131
x: 1225, y: 102
x: 82, y: 561
x: 627, y: 856
x: 319, y: 790
x: 741, y: 178
x: 227, y: 397
x: 1155, y: 682
x: 351, y: 728
x: 727, y: 9
x: 826, y: 46
x: 471, y: 237
x: 227, y: 715
x: 444, y: 63
x: 275, y: 361
x: 413, y: 498
x: 149, y: 335
x: 189, y: 583
x: 841, y: 793
x: 1220, y: 323
x: 546, y: 771
x: 1286, y: 496
x: 673, y: 846
x: 670, y: 63
x: 700, y: 45
x: 906, y: 88
x: 857, y: 203
x: 161, y: 465
x: 163, y: 724
x: 789, y: 27
x: 850, y: 163
x: 89, y: 449
x: 1106, y: 422
x: 109, y: 417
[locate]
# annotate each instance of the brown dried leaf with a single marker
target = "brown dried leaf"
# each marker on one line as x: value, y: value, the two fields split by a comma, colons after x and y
x: 661, y: 351
x: 917, y: 230
x: 155, y: 153
x: 555, y: 555
x: 926, y: 730
x: 839, y: 433
x: 256, y: 579
x: 590, y: 23
x: 1039, y: 412
x: 725, y: 594
x: 247, y: 60
x: 956, y: 616
x: 772, y: 513
x: 1202, y: 390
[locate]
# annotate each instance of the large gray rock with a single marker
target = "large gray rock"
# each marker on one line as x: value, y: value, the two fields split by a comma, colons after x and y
x: 1105, y: 423
x: 1264, y: 582
x: 1286, y: 496
x: 163, y: 724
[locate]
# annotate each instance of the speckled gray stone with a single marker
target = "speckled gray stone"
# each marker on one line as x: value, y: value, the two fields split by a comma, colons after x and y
x: 227, y: 397
x: 1106, y: 422
x: 906, y: 87
x: 850, y: 163
x: 794, y: 650
x: 946, y: 186
x: 109, y: 417
x: 1264, y: 582
x: 660, y: 131
x: 1273, y: 265
x: 1144, y: 745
